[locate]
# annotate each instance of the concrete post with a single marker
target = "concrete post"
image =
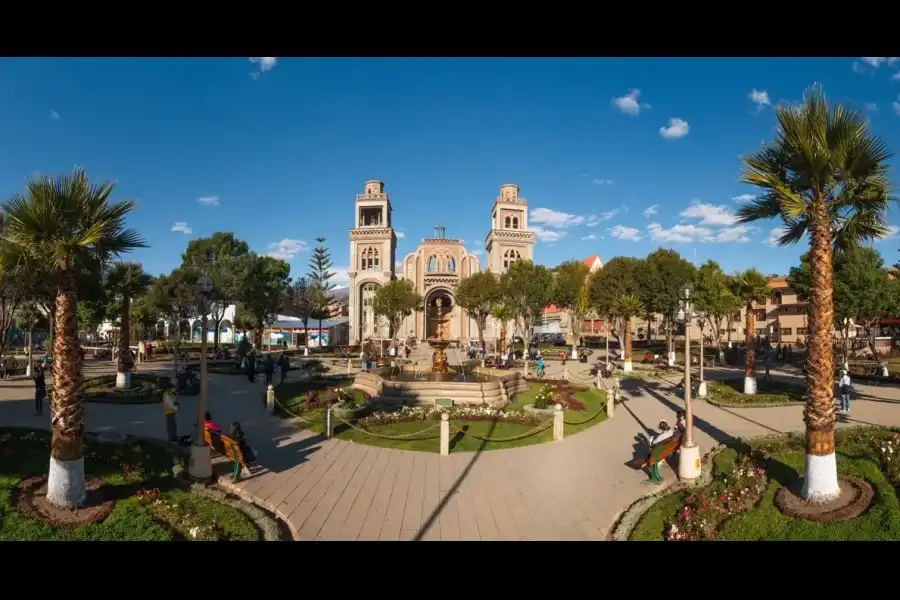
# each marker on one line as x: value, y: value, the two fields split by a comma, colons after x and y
x: 270, y: 399
x: 558, y: 423
x: 328, y: 422
x: 445, y: 434
x: 349, y: 362
x: 566, y: 372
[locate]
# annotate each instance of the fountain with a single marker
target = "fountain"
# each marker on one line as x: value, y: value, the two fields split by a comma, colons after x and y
x: 412, y: 386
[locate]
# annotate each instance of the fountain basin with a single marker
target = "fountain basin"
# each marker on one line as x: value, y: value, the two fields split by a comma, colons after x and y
x: 495, y: 387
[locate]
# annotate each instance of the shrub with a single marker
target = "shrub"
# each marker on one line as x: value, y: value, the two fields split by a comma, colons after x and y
x: 888, y: 452
x: 544, y: 397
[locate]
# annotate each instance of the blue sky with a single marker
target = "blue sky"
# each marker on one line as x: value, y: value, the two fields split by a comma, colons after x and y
x: 615, y: 156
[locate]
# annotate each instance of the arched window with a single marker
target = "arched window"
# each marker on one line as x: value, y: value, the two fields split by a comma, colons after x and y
x: 370, y: 260
x: 507, y: 222
x: 431, y: 264
x: 451, y: 265
x: 509, y: 257
x: 776, y: 298
x: 515, y: 222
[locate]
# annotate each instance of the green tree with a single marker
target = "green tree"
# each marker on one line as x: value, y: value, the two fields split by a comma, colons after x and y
x: 175, y: 297
x: 618, y: 278
x: 626, y: 308
x: 144, y: 315
x: 661, y: 277
x: 503, y: 314
x: 27, y: 318
x: 395, y: 301
x: 712, y: 296
x: 266, y: 283
x: 825, y: 174
x: 302, y: 300
x: 92, y: 314
x: 319, y: 275
x: 478, y: 294
x: 13, y: 291
x: 569, y: 293
x: 126, y: 281
x: 527, y: 289
x: 220, y: 258
x: 752, y: 287
x: 76, y: 225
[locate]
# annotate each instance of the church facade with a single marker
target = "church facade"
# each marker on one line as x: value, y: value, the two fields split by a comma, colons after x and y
x: 436, y: 267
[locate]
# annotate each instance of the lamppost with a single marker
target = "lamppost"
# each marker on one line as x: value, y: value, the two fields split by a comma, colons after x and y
x: 200, y: 468
x: 701, y: 320
x: 689, y: 454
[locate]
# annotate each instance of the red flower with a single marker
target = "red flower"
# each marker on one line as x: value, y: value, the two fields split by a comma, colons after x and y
x: 721, y: 498
x: 706, y: 506
x: 125, y: 468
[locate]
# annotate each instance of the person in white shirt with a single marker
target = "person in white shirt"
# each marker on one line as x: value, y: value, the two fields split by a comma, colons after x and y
x: 844, y: 386
x: 665, y: 432
x: 170, y: 409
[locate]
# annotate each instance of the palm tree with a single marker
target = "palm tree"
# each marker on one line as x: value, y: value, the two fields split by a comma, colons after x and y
x: 825, y: 174
x: 75, y: 222
x: 504, y: 314
x: 626, y: 308
x: 126, y: 280
x: 750, y: 286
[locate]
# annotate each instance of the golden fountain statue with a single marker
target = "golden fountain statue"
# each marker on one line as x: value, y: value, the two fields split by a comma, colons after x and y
x: 439, y: 358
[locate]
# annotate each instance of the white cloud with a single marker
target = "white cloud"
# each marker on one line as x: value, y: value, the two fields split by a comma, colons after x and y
x: 693, y: 233
x: 774, y: 235
x: 603, y: 182
x: 651, y: 210
x: 620, y: 232
x: 266, y: 63
x: 400, y: 235
x: 629, y: 104
x: 208, y: 200
x: 896, y: 106
x: 877, y: 61
x: 677, y: 128
x: 286, y: 249
x: 870, y: 106
x: 896, y: 76
x: 744, y: 198
x: 341, y: 276
x: 182, y: 227
x: 594, y: 220
x: 54, y: 116
x: 709, y: 214
x: 588, y: 237
x: 892, y: 231
x: 760, y: 98
x: 476, y: 252
x: 547, y: 235
x: 553, y: 218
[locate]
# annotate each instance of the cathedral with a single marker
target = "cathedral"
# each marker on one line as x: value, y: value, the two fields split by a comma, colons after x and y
x: 435, y: 268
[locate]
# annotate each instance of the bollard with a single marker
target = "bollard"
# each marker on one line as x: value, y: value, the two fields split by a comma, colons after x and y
x: 558, y: 423
x: 445, y: 434
x: 349, y: 361
x: 611, y: 402
x: 328, y: 430
x: 566, y: 372
x: 270, y: 399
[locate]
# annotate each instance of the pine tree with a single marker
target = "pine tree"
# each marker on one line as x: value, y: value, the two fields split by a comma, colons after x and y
x: 320, y: 286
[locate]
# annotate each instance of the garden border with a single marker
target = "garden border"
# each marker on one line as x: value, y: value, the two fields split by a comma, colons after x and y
x: 229, y: 486
x: 709, y: 399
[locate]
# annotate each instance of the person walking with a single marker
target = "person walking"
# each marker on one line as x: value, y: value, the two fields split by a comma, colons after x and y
x: 269, y: 368
x: 3, y: 368
x: 845, y: 387
x: 284, y: 362
x: 251, y: 366
x: 40, y: 391
x: 170, y: 409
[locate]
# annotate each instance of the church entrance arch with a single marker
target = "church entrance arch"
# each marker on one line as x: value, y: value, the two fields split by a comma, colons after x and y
x: 434, y: 315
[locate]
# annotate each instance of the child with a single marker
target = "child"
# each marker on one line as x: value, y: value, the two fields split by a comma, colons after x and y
x: 540, y: 367
x: 40, y: 391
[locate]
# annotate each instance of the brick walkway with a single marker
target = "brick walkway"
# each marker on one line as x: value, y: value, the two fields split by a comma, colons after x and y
x: 335, y: 490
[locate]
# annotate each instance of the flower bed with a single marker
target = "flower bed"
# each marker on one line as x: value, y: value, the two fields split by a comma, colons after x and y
x: 737, y: 505
x: 408, y: 414
x: 138, y: 478
x: 145, y: 388
x: 768, y: 393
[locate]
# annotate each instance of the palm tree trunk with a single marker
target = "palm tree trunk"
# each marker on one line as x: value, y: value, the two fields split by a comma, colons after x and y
x: 820, y: 483
x: 123, y: 371
x: 626, y: 345
x: 750, y: 365
x: 481, y: 325
x: 65, y: 484
x: 29, y: 353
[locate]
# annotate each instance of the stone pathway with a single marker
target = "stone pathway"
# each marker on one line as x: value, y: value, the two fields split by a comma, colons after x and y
x: 336, y: 490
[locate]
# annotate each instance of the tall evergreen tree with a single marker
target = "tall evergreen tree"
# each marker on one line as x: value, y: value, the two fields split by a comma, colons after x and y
x: 319, y: 275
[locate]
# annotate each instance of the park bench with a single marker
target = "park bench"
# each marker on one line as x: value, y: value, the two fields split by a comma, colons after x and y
x: 229, y: 448
x: 657, y: 453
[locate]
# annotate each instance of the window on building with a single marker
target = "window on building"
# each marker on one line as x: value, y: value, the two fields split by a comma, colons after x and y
x: 431, y: 264
x: 787, y: 331
x: 507, y: 222
x: 509, y: 257
x: 369, y: 260
x: 776, y: 298
x: 801, y: 331
x: 515, y: 222
x: 760, y: 315
x: 760, y: 331
x: 451, y: 265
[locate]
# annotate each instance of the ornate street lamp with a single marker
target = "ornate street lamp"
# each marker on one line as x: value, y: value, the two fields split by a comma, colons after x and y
x: 689, y: 454
x: 200, y: 468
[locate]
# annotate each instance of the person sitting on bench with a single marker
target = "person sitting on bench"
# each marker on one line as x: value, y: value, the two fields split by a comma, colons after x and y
x: 237, y: 434
x: 680, y: 422
x: 212, y: 427
x: 665, y: 432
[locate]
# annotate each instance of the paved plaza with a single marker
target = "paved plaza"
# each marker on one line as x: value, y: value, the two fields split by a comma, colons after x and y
x: 337, y: 490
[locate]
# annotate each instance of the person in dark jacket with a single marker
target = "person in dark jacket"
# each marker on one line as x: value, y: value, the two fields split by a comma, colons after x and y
x: 269, y: 368
x: 284, y: 363
x: 237, y: 434
x: 40, y: 391
x: 251, y: 366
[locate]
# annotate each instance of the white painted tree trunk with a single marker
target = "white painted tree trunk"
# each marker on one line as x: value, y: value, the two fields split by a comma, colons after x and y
x: 66, y: 485
x: 750, y: 385
x: 671, y: 359
x: 721, y: 357
x: 626, y: 366
x: 820, y: 484
x: 28, y: 369
x: 123, y: 380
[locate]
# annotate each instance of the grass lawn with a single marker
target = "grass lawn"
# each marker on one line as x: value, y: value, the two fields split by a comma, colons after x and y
x: 168, y: 514
x: 293, y: 397
x: 856, y: 456
x: 144, y: 389
x: 730, y: 392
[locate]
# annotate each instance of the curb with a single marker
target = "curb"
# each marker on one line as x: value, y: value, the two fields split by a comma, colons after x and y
x: 709, y: 399
x: 229, y: 486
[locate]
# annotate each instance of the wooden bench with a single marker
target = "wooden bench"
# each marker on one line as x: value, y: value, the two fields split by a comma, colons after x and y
x: 658, y: 453
x: 229, y: 448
